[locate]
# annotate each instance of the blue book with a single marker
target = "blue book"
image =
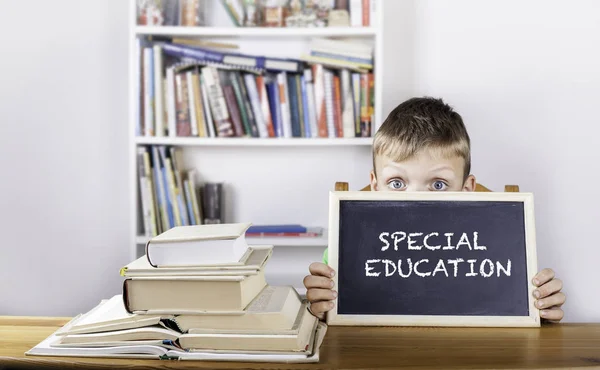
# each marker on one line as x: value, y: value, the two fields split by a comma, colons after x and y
x: 275, y: 106
x: 243, y: 61
x: 289, y: 228
x: 305, y: 103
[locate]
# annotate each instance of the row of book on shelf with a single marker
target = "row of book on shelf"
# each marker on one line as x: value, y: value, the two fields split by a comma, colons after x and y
x: 258, y: 13
x: 192, y: 91
x: 171, y: 196
x: 233, y: 314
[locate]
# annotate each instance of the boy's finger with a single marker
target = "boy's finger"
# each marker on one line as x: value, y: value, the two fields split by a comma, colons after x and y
x: 551, y: 287
x: 316, y: 295
x: 557, y: 300
x: 543, y: 277
x: 319, y: 308
x: 312, y: 281
x: 319, y: 268
x: 554, y: 314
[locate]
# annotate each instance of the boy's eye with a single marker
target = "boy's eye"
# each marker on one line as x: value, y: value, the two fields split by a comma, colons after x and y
x: 439, y: 185
x: 396, y: 184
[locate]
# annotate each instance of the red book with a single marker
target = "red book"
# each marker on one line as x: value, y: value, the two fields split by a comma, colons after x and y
x: 337, y: 105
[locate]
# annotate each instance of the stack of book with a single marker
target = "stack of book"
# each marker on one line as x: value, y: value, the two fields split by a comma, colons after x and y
x: 199, y: 293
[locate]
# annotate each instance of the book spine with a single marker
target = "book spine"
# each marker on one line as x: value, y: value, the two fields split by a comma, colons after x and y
x: 247, y: 131
x: 311, y: 103
x: 364, y: 104
x: 161, y: 180
x: 263, y: 97
x: 143, y: 193
x: 308, y: 234
x: 293, y: 102
x: 171, y: 105
x: 284, y: 104
x: 305, y: 108
x: 211, y: 200
x: 188, y: 198
x: 356, y: 92
x: 347, y: 104
x: 151, y: 193
x: 223, y: 124
x: 192, y: 104
x: 356, y: 13
x: 193, y: 53
x: 233, y: 110
x: 210, y: 127
x: 139, y: 83
x: 298, y: 82
x: 368, y: 130
x: 329, y: 104
x: 251, y: 88
x: 148, y: 92
x: 365, y: 13
x: 337, y: 105
x: 275, y: 105
x: 247, y: 105
x: 196, y: 206
x: 346, y: 58
x: 199, y: 105
x: 158, y: 91
x: 320, y: 103
x: 182, y: 106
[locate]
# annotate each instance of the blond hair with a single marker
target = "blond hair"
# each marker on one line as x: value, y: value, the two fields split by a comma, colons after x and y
x: 423, y: 123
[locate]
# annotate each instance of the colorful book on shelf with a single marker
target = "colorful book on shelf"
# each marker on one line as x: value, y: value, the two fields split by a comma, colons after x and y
x: 251, y: 63
x: 283, y: 230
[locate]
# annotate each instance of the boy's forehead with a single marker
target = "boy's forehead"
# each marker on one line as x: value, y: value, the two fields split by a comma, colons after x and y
x: 427, y: 159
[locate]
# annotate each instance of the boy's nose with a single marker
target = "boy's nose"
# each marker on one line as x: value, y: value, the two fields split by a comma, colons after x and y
x: 416, y: 187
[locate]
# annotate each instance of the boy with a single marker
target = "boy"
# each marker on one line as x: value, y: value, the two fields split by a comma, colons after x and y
x: 423, y: 145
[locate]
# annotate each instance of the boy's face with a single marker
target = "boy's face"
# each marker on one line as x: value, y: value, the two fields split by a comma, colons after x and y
x: 428, y: 170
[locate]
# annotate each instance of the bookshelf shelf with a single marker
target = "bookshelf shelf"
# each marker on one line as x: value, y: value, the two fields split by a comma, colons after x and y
x: 289, y: 241
x: 283, y: 142
x: 257, y: 31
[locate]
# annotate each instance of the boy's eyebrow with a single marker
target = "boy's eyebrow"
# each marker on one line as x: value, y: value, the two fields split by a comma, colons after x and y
x: 441, y: 167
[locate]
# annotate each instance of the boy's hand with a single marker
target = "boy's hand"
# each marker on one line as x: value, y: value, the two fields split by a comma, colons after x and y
x: 549, y: 298
x: 319, y: 289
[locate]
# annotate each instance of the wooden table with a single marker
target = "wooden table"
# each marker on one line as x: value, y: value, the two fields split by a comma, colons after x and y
x: 552, y: 346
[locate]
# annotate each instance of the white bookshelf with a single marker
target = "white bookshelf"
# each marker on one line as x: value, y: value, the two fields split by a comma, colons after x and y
x: 269, y: 180
x: 285, y: 142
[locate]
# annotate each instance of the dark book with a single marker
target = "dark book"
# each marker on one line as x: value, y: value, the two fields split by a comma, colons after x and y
x: 293, y: 104
x: 247, y: 105
x: 212, y: 197
x: 182, y: 105
x: 234, y: 111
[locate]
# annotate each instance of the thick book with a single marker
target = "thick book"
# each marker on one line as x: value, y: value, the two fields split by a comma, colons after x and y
x: 191, y: 294
x: 297, y: 338
x: 165, y: 350
x: 254, y: 260
x: 275, y: 308
x: 198, y: 245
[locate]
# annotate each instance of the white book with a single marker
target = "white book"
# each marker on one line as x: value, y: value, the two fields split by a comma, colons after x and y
x: 356, y: 13
x: 250, y: 81
x: 347, y: 104
x: 285, y: 104
x: 210, y: 129
x: 191, y: 96
x: 312, y: 108
x: 198, y: 245
x: 329, y: 107
x: 148, y: 92
x: 158, y: 92
x: 170, y: 101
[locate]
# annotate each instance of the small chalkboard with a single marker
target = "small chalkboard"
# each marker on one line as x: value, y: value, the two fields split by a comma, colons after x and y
x: 433, y: 258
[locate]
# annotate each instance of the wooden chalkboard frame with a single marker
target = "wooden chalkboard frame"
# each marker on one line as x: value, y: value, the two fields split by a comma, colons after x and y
x: 532, y: 320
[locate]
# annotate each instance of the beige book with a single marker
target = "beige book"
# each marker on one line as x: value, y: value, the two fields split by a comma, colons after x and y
x: 274, y: 309
x: 199, y: 245
x: 191, y: 294
x: 256, y: 259
x: 298, y: 340
x: 147, y: 333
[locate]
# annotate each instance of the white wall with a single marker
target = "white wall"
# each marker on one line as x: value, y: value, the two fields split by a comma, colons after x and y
x: 523, y: 74
x: 525, y: 77
x: 63, y: 154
